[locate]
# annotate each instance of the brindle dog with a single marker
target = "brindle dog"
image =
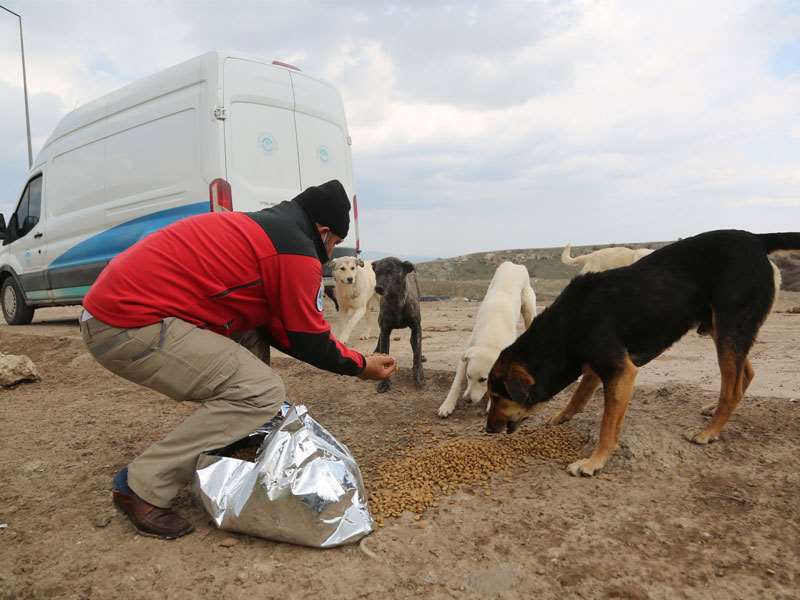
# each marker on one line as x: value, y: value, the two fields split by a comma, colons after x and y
x: 607, y: 325
x: 396, y: 284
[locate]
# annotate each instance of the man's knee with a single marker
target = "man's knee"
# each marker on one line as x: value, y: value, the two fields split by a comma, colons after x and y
x: 267, y: 393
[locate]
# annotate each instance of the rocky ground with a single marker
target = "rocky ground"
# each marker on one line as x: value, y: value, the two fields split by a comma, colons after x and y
x: 665, y: 519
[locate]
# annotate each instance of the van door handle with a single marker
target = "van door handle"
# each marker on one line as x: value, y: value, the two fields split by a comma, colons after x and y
x: 38, y: 235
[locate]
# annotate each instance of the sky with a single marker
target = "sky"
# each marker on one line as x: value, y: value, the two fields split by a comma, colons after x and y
x: 479, y: 125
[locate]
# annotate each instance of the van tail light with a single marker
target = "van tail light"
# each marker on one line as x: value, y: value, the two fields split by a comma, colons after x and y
x: 355, y: 218
x: 220, y: 195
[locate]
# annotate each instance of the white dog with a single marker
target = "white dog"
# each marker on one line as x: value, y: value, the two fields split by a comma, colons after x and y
x: 604, y: 259
x: 355, y: 292
x: 509, y: 293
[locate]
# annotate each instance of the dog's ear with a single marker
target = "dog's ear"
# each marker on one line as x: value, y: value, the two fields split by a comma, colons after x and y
x: 518, y: 383
x: 407, y: 267
x: 334, y: 262
x: 360, y: 263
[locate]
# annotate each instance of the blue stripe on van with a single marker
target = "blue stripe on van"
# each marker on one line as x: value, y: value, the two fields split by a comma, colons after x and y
x: 107, y: 244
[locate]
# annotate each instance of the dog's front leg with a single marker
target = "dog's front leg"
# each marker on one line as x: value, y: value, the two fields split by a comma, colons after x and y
x: 354, y: 317
x: 618, y: 391
x: 449, y: 404
x: 586, y: 388
x: 416, y: 348
x: 383, y: 347
x: 371, y: 322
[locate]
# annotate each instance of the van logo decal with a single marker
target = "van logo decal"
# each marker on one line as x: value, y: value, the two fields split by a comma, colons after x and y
x: 266, y: 142
x: 324, y: 154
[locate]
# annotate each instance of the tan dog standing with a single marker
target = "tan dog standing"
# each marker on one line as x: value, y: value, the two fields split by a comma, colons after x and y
x: 355, y: 292
x: 603, y: 259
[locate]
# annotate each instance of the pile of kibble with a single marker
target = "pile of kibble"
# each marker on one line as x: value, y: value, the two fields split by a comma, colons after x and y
x: 415, y: 482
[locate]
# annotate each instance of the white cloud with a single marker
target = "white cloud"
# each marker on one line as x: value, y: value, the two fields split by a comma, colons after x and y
x: 480, y: 126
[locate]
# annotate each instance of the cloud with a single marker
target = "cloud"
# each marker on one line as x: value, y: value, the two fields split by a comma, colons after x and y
x: 482, y: 126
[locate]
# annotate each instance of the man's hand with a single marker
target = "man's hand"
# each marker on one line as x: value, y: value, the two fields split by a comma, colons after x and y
x: 379, y: 366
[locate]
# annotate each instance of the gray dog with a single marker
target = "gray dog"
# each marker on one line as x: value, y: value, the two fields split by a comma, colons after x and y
x: 396, y: 284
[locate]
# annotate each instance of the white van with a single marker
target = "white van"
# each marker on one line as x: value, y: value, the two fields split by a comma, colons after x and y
x: 216, y: 132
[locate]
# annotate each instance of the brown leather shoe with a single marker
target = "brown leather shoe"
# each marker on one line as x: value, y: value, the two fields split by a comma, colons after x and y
x: 151, y: 520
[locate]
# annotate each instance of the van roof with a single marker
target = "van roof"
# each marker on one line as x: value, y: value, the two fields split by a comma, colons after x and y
x: 178, y: 76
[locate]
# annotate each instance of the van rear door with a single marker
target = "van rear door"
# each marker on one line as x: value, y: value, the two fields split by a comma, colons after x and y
x: 322, y: 138
x: 260, y: 140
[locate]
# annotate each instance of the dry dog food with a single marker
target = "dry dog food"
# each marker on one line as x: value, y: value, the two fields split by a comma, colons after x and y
x: 416, y: 481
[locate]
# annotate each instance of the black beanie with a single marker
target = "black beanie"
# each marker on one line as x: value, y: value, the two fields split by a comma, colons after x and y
x: 328, y: 205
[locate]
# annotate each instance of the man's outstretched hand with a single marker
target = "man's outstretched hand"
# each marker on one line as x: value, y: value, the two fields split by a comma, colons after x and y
x: 379, y: 366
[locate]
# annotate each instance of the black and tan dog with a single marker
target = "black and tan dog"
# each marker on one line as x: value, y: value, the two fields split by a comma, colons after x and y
x: 607, y: 325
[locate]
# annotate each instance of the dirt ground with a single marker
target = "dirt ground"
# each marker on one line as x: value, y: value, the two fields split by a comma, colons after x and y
x: 665, y: 519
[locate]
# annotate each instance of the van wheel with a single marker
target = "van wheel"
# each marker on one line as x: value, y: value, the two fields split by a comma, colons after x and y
x: 15, y: 311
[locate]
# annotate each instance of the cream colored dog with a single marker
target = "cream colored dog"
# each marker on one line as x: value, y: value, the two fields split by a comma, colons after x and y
x: 604, y: 259
x: 355, y: 292
x: 509, y: 294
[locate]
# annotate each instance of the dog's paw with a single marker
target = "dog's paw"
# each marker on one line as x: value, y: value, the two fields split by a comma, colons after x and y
x: 384, y: 386
x: 709, y: 409
x: 703, y: 438
x: 585, y: 467
x: 445, y: 410
x: 558, y: 419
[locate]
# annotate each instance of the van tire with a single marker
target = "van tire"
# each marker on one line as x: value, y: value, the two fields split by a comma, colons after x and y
x: 15, y: 310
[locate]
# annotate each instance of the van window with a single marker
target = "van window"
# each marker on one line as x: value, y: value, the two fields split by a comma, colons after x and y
x: 28, y: 211
x: 34, y: 205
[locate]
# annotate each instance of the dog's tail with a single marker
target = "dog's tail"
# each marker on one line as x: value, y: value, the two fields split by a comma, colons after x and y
x: 567, y: 259
x: 780, y: 241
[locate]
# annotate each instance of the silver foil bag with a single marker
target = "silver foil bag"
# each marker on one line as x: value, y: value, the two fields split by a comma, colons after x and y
x: 303, y: 488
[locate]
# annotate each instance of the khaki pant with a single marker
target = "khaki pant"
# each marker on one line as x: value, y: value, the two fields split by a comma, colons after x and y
x: 237, y: 391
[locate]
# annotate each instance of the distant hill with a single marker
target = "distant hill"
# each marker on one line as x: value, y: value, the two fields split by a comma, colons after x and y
x: 377, y: 254
x: 468, y: 275
x: 542, y: 263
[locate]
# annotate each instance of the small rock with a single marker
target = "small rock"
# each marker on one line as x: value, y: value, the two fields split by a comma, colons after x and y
x: 770, y: 572
x: 228, y: 542
x: 16, y: 369
x: 101, y: 520
x: 34, y: 465
x: 396, y: 338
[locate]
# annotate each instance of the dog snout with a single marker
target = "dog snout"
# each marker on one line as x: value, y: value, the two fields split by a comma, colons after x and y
x: 349, y: 280
x: 495, y: 426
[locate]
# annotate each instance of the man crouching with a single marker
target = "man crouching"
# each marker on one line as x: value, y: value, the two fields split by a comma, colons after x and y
x: 166, y: 313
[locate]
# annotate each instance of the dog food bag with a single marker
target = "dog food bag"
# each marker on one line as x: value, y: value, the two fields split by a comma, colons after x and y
x: 304, y: 487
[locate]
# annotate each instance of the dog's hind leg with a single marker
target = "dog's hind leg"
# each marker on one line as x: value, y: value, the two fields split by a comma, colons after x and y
x: 583, y: 393
x: 449, y: 404
x: 528, y: 306
x: 734, y: 373
x: 749, y: 373
x: 618, y: 390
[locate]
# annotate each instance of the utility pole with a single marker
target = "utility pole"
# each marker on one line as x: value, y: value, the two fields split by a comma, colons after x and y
x: 24, y: 86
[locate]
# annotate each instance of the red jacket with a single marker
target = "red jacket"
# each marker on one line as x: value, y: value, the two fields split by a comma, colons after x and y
x: 229, y: 272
